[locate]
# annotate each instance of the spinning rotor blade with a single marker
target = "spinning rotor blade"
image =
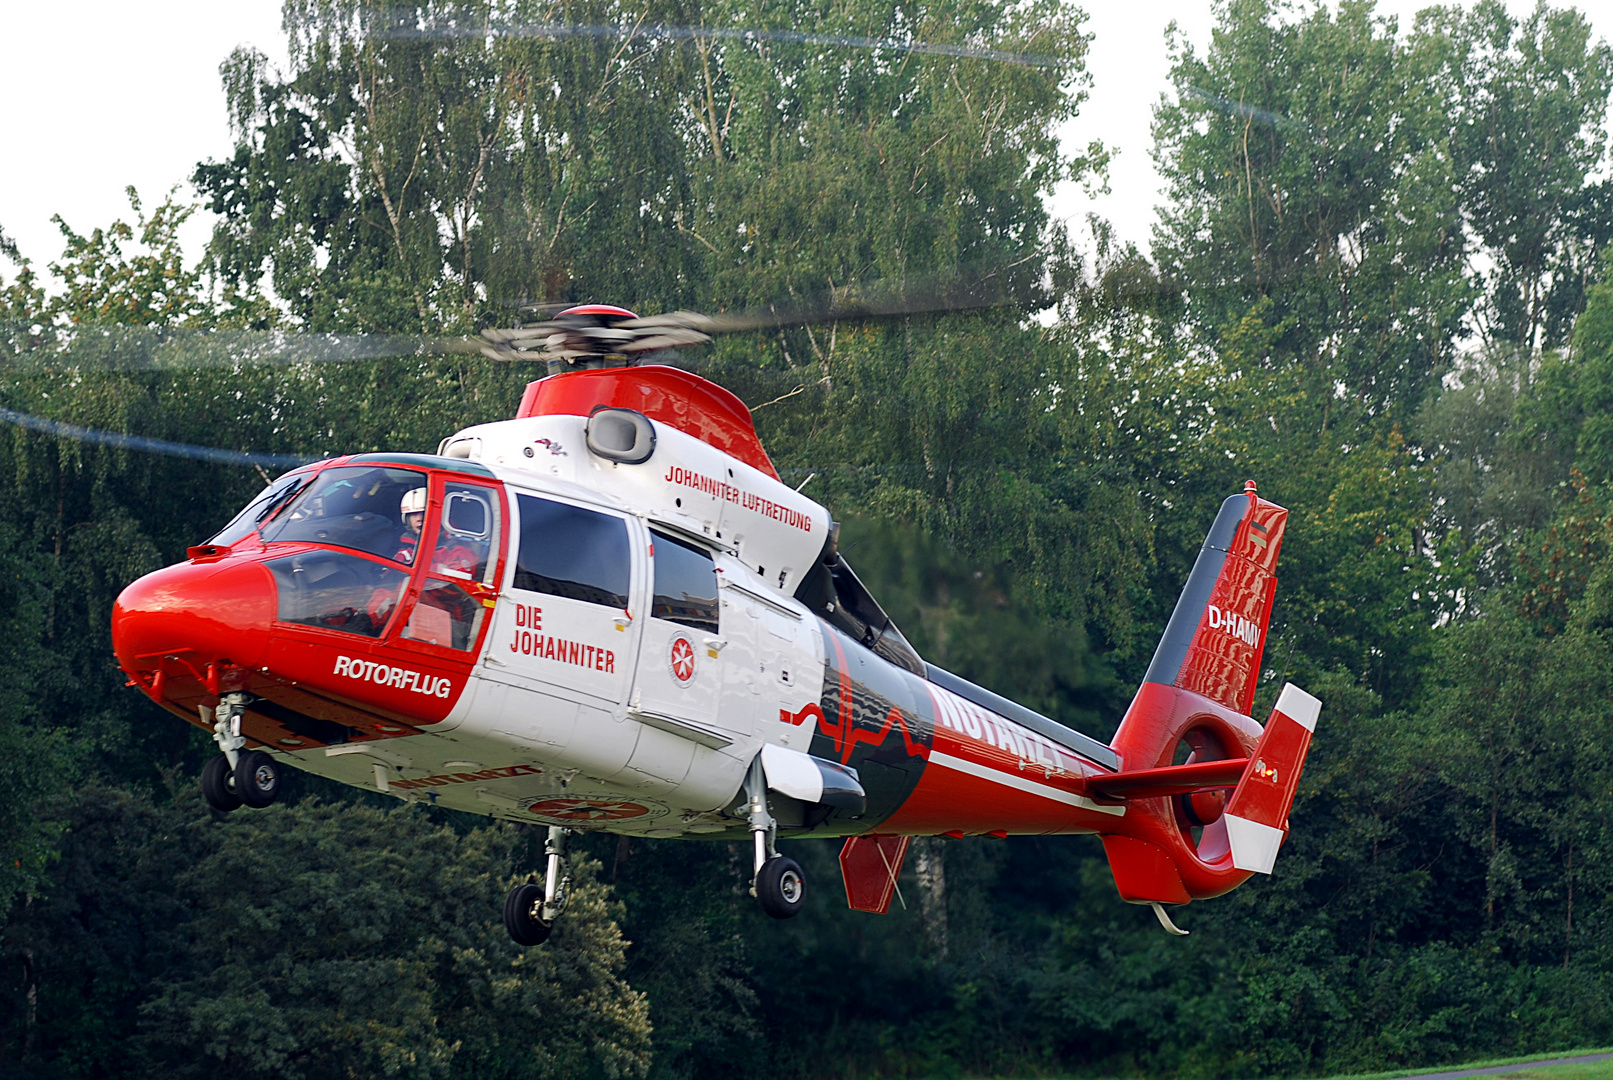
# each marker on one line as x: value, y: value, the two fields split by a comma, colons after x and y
x: 484, y: 32
x: 122, y: 440
x: 565, y: 337
x: 596, y: 333
x: 136, y: 348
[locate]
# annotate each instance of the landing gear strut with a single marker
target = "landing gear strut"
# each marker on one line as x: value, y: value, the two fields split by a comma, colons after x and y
x: 778, y: 884
x: 530, y: 909
x: 252, y: 777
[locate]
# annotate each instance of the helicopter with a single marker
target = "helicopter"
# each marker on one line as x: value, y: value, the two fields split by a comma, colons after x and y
x: 609, y: 614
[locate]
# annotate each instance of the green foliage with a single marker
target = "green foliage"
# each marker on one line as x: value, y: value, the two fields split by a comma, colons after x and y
x: 36, y: 757
x: 1349, y: 204
x: 312, y: 940
x: 1527, y: 102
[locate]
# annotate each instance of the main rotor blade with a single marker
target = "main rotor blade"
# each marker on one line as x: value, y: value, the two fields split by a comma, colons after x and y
x: 484, y: 32
x: 135, y: 348
x: 210, y: 454
x: 970, y: 290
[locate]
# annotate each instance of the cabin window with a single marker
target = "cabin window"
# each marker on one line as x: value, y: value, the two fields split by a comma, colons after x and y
x: 685, y: 584
x: 573, y: 552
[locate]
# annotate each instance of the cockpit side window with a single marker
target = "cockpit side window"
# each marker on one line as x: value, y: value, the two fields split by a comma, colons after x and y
x: 359, y: 508
x: 464, y: 540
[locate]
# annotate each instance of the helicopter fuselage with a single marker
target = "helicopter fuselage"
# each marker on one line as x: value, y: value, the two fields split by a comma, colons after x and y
x: 595, y: 628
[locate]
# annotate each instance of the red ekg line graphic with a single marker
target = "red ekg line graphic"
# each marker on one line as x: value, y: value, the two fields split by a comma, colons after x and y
x: 846, y: 735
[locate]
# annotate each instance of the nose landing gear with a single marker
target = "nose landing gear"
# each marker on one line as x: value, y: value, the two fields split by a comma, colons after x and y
x: 530, y: 909
x: 252, y: 778
x: 218, y: 785
x: 778, y: 884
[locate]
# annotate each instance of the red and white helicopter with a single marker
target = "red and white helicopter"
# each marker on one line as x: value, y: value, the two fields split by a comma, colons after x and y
x: 609, y: 613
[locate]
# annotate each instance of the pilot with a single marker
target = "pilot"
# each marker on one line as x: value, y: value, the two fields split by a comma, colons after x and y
x: 413, y: 511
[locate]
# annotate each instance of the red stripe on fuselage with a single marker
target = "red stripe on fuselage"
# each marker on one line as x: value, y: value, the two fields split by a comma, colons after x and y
x: 986, y: 773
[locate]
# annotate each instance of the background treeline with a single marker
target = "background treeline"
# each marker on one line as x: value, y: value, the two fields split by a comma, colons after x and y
x: 1379, y: 288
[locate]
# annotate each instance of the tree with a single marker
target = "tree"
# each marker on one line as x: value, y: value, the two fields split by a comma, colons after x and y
x: 311, y: 940
x: 1528, y: 103
x: 1306, y: 162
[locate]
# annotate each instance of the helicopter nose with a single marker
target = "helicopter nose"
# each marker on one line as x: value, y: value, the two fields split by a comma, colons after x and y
x: 208, y: 612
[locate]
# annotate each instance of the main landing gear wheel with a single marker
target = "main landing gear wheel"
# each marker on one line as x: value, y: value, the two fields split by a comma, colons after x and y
x: 522, y: 916
x: 780, y: 887
x: 530, y: 910
x: 218, y: 785
x: 777, y: 883
x: 257, y: 779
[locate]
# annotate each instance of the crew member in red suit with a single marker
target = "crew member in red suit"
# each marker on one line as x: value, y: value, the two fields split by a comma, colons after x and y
x: 457, y: 557
x: 413, y: 511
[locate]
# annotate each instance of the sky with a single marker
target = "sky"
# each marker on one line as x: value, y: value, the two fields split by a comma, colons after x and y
x: 136, y: 99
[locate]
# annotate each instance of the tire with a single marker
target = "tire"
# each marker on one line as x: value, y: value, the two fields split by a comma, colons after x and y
x: 218, y: 785
x: 524, y: 927
x: 781, y: 888
x: 257, y: 779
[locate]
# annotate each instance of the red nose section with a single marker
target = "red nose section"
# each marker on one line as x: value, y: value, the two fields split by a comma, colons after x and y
x: 197, y: 614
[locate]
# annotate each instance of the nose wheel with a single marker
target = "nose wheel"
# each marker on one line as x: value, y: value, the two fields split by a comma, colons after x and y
x: 778, y: 884
x: 218, y: 785
x: 238, y: 776
x: 257, y: 779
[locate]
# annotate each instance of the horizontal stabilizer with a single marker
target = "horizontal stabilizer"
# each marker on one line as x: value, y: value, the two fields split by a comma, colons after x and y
x: 1257, y: 816
x: 1168, y: 780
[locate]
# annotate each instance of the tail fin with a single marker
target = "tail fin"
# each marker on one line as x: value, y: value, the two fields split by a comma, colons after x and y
x: 1179, y: 840
x: 1213, y: 643
x: 870, y: 866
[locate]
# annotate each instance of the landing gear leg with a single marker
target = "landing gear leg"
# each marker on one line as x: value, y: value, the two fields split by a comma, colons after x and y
x: 241, y: 776
x: 530, y: 910
x: 218, y: 775
x: 777, y: 881
x: 556, y: 873
x: 227, y: 726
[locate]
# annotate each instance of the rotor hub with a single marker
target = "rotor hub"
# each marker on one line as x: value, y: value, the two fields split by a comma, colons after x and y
x: 595, y: 336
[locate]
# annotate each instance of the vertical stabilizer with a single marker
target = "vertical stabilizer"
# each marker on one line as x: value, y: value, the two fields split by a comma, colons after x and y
x: 1215, y: 637
x: 870, y: 866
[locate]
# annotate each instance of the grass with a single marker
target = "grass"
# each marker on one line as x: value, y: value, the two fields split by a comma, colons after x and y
x: 1595, y: 1070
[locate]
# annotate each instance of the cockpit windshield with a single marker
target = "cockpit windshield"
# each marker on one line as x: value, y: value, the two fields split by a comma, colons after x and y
x: 260, y: 508
x: 366, y: 508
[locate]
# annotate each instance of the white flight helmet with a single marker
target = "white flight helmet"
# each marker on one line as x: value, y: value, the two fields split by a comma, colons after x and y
x: 414, y: 501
